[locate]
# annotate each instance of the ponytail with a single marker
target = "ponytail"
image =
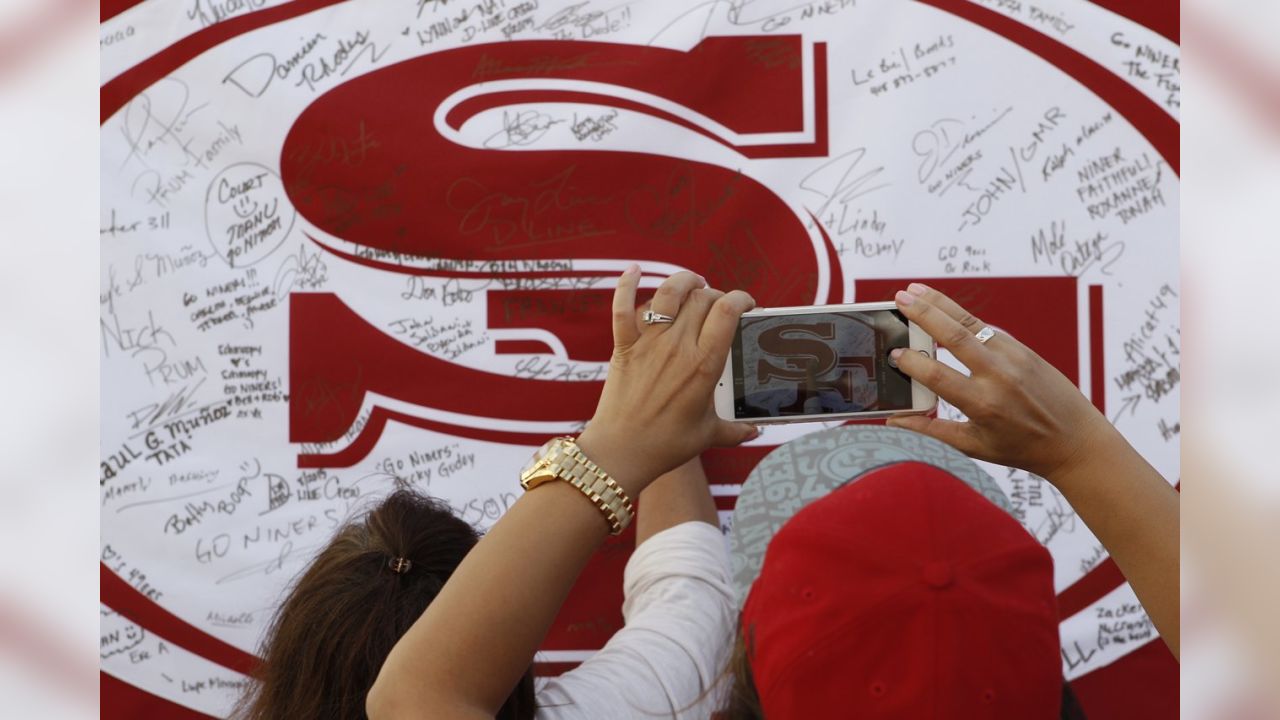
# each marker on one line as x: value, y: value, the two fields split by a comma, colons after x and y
x: 330, y: 636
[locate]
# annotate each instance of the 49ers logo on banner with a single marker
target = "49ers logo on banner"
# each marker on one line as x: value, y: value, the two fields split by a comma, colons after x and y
x: 542, y: 228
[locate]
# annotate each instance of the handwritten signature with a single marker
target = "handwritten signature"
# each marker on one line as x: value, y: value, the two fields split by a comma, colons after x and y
x: 210, y: 12
x: 675, y: 207
x: 1050, y: 245
x: 522, y: 128
x: 589, y: 23
x: 542, y: 214
x: 836, y: 181
x: 737, y: 12
x: 178, y: 404
x: 593, y: 128
x: 159, y: 117
x: 255, y: 75
x: 938, y: 143
x: 299, y: 270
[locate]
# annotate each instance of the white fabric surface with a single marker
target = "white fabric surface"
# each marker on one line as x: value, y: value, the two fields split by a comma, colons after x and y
x: 678, y: 608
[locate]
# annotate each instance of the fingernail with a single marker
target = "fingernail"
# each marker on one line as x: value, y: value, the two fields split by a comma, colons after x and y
x: 895, y: 354
x: 632, y: 269
x: 702, y: 280
x: 904, y: 298
x: 755, y: 432
x: 917, y: 289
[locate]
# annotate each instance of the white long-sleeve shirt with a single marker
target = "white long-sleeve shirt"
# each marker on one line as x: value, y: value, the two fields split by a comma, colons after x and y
x: 672, y: 651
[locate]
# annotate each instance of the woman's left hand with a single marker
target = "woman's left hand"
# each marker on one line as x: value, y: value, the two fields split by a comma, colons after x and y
x: 1021, y: 411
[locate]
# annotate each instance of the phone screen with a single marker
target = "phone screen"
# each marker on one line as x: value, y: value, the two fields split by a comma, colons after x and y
x: 818, y: 363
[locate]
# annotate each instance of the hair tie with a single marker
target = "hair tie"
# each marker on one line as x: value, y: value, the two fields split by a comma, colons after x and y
x: 400, y: 565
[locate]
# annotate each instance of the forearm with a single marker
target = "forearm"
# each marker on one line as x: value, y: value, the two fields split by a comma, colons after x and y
x: 1134, y: 512
x: 468, y: 650
x: 677, y: 497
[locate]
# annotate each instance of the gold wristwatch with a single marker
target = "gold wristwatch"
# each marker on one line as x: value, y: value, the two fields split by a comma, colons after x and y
x: 561, y: 459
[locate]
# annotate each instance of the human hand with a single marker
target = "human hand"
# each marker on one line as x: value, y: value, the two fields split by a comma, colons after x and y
x: 1022, y: 412
x: 656, y: 412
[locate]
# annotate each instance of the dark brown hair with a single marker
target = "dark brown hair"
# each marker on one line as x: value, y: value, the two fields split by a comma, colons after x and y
x: 744, y: 701
x: 328, y: 640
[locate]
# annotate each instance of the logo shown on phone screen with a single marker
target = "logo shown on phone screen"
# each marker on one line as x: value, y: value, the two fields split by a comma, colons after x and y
x: 818, y: 363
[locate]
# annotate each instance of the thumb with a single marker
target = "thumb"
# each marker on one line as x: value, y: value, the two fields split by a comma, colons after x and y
x: 914, y: 423
x: 728, y: 434
x: 955, y: 434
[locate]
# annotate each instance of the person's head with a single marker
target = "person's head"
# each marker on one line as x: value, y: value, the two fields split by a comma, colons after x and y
x: 328, y: 640
x: 905, y: 594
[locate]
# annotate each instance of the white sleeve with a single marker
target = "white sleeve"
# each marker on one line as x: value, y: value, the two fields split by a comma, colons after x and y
x: 679, y: 613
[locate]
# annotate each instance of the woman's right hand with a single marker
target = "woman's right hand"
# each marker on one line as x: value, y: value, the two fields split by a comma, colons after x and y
x: 1022, y: 412
x: 656, y: 410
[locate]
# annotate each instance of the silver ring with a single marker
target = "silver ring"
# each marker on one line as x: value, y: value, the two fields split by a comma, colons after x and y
x: 985, y: 334
x: 651, y: 318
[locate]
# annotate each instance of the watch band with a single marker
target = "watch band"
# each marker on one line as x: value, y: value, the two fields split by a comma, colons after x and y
x: 562, y: 459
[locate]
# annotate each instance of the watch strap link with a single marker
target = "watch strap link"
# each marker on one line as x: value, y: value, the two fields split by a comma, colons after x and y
x: 566, y: 461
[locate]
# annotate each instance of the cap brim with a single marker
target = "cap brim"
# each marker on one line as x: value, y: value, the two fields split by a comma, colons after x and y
x: 809, y: 468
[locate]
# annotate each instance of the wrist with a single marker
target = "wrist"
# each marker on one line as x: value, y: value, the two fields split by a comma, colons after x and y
x: 1100, y: 451
x: 617, y: 457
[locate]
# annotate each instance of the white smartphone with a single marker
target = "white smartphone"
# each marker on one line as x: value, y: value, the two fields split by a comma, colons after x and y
x: 822, y: 362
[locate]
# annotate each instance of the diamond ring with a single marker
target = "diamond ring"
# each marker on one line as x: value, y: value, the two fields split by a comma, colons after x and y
x: 651, y: 318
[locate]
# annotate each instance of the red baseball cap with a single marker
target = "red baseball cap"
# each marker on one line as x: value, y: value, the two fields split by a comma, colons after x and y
x: 905, y: 594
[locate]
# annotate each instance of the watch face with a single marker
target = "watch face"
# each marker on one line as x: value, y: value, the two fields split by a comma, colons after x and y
x: 537, y: 458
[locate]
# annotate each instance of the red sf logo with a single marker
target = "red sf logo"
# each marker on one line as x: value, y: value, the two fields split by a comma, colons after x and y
x: 375, y: 166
